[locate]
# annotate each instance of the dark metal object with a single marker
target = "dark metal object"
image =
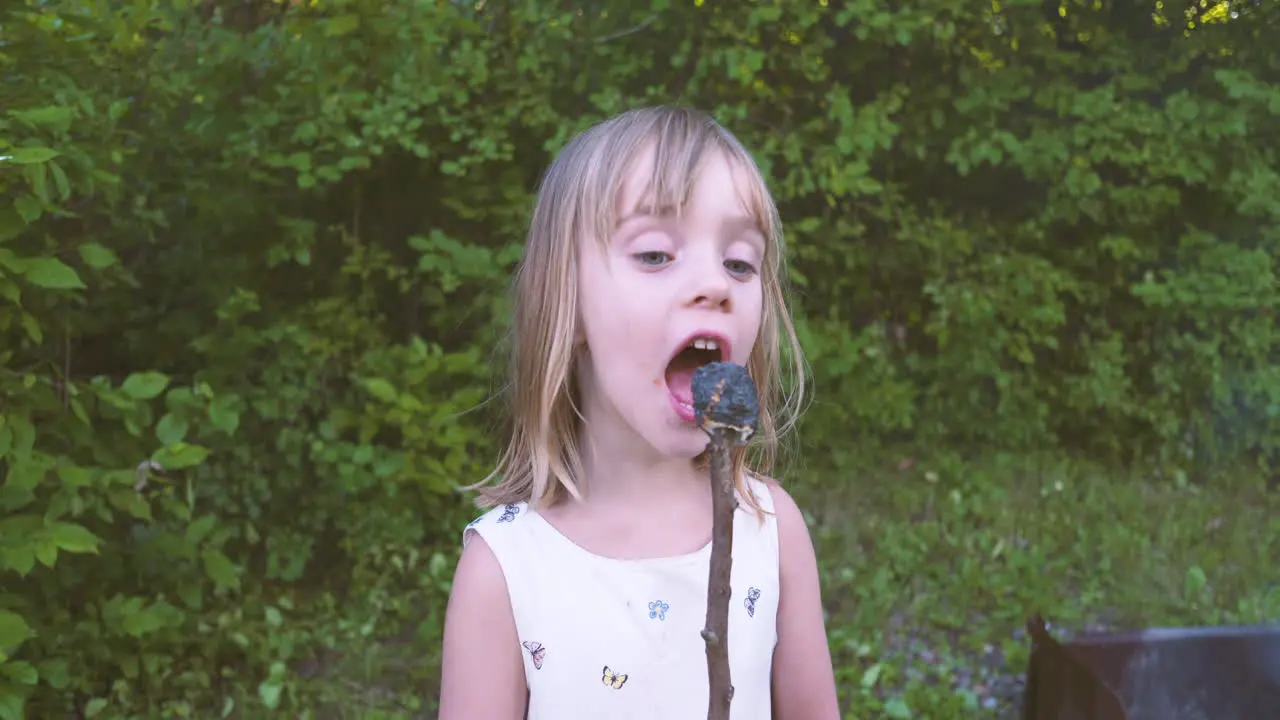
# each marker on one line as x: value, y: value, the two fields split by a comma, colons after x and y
x: 1228, y: 673
x: 727, y: 409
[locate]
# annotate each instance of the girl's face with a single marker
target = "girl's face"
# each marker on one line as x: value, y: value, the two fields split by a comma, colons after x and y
x: 661, y: 297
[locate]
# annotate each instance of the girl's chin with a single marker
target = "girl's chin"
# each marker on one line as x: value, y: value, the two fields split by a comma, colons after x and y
x: 691, y: 443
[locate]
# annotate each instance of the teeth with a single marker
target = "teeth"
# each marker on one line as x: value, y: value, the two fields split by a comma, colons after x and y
x: 704, y: 344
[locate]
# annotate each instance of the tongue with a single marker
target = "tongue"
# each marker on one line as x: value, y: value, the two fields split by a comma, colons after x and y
x: 680, y: 375
x: 680, y: 383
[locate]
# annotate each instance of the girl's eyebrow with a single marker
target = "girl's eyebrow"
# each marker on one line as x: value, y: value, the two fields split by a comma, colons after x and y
x: 741, y: 225
x: 629, y: 219
x: 745, y: 227
x: 637, y: 214
x: 645, y: 211
x: 622, y: 231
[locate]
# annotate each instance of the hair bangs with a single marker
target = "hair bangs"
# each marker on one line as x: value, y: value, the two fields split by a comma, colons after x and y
x: 678, y: 142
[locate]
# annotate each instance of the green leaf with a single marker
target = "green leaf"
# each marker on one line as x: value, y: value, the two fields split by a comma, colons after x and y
x: 130, y: 501
x: 96, y: 256
x: 143, y: 622
x: 24, y: 434
x: 12, y: 701
x: 73, y: 475
x: 223, y: 415
x: 269, y: 691
x: 171, y: 429
x: 341, y: 25
x: 381, y: 389
x: 145, y: 385
x: 897, y: 709
x: 192, y: 595
x: 30, y: 155
x: 47, y: 553
x: 1195, y: 580
x: 60, y: 181
x: 56, y: 117
x: 26, y: 474
x: 220, y: 569
x: 13, y: 630
x: 32, y: 328
x: 53, y: 274
x: 180, y: 455
x: 21, y: 672
x: 38, y: 180
x: 56, y: 673
x: 94, y: 707
x: 199, y: 528
x: 77, y: 409
x: 871, y: 676
x: 29, y: 208
x: 74, y: 538
x: 10, y: 291
x: 11, y: 224
x: 18, y: 559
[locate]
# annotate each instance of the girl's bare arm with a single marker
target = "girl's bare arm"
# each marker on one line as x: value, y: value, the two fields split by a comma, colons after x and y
x: 804, y: 686
x: 483, y: 674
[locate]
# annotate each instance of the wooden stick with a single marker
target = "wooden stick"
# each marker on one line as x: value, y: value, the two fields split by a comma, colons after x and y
x: 716, y: 631
x: 727, y: 408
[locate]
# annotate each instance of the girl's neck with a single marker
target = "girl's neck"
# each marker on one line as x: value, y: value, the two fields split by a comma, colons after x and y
x: 615, y: 472
x: 619, y: 466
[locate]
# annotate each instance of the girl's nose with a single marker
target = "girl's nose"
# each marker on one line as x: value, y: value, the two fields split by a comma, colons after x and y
x: 710, y: 282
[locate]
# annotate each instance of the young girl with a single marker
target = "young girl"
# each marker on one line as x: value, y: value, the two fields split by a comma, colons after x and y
x: 654, y: 248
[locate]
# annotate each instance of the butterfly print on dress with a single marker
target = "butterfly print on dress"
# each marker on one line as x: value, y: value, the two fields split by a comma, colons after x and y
x: 753, y: 594
x: 612, y: 679
x: 536, y: 651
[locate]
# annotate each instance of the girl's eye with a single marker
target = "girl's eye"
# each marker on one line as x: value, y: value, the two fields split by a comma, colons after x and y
x: 654, y: 258
x: 740, y: 267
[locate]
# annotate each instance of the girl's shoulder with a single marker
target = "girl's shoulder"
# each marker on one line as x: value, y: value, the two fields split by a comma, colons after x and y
x: 501, y: 514
x: 502, y: 518
x: 764, y: 491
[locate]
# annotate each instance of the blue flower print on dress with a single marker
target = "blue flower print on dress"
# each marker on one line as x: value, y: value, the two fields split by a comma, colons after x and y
x: 658, y: 610
x: 509, y: 513
x: 753, y: 594
x: 475, y: 522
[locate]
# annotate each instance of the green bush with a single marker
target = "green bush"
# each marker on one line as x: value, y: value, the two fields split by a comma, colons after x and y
x: 253, y: 259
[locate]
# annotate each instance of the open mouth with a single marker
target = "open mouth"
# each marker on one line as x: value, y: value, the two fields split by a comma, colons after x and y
x: 699, y: 350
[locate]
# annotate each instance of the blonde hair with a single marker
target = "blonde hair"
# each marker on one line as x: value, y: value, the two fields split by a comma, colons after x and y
x: 578, y: 198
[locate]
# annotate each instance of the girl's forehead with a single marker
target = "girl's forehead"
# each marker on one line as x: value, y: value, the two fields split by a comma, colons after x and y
x: 637, y: 179
x: 647, y: 189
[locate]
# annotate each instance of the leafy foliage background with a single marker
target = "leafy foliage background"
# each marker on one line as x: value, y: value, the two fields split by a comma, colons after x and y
x: 253, y: 259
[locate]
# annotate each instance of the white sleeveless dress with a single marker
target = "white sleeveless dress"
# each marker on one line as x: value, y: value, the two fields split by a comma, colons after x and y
x: 606, y: 639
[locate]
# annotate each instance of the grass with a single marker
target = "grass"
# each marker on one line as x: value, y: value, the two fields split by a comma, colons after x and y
x: 931, y: 569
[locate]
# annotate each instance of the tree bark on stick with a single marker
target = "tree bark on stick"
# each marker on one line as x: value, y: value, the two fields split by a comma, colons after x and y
x: 727, y: 408
x: 716, y: 631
